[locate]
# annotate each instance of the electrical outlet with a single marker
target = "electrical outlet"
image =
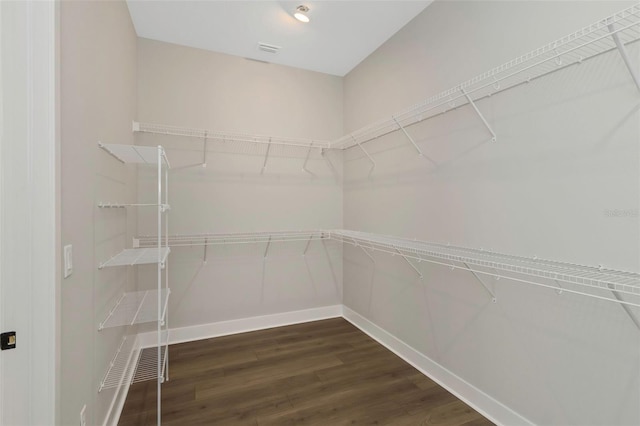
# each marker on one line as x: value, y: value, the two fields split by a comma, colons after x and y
x: 68, y: 260
x: 83, y: 415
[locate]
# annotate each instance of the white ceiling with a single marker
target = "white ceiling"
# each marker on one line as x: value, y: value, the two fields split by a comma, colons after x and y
x: 340, y: 35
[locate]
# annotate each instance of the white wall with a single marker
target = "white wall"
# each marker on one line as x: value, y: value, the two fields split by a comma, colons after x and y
x: 98, y: 102
x: 194, y: 88
x: 567, y: 152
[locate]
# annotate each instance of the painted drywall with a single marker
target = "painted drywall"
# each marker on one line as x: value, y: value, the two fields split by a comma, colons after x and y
x: 565, y: 159
x: 189, y: 87
x: 97, y: 103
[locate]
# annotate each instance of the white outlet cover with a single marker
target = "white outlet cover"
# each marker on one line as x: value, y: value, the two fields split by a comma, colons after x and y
x: 68, y: 260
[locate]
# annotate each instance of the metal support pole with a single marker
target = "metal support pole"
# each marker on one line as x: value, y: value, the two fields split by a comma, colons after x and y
x: 493, y: 135
x: 266, y: 156
x: 493, y: 297
x: 624, y: 306
x: 409, y: 262
x: 625, y: 57
x: 373, y: 163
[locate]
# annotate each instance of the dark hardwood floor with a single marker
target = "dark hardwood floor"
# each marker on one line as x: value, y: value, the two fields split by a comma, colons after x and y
x: 319, y: 373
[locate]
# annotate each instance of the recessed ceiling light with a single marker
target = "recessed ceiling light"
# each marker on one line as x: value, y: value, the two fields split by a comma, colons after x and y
x: 301, y: 13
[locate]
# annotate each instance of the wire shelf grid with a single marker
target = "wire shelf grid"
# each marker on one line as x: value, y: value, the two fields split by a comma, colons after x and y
x: 228, y: 136
x: 138, y: 256
x: 587, y: 280
x: 137, y: 308
x: 133, y: 154
x: 590, y: 41
x: 234, y: 238
x: 147, y: 365
x: 120, y: 368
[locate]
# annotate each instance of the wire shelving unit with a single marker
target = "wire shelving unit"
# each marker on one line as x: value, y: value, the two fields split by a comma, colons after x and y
x: 143, y: 306
x: 137, y: 307
x: 608, y: 34
x: 138, y: 256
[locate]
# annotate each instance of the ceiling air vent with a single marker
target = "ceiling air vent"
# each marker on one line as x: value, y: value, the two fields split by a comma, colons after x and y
x: 269, y: 48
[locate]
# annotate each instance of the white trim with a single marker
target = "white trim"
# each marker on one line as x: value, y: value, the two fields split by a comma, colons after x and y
x: 120, y: 396
x: 465, y: 391
x: 243, y: 325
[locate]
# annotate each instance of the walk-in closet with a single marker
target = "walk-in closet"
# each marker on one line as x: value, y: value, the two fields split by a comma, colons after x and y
x: 323, y: 212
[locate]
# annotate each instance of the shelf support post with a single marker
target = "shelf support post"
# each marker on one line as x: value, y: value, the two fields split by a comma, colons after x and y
x: 373, y: 163
x: 409, y: 262
x: 493, y: 297
x: 626, y: 308
x: 625, y: 57
x: 415, y: 145
x: 486, y: 124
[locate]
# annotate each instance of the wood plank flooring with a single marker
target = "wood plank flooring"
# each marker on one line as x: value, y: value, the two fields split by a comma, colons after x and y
x: 318, y: 373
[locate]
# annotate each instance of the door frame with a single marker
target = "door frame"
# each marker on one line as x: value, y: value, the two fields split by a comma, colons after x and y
x: 39, y: 301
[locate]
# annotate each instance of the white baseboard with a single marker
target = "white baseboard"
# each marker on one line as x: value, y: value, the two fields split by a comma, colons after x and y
x: 243, y: 325
x: 472, y: 396
x: 117, y: 404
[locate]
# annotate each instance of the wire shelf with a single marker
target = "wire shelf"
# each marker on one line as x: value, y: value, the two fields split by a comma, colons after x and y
x: 147, y: 365
x: 138, y: 256
x: 585, y: 280
x: 123, y: 206
x: 137, y: 308
x: 162, y: 129
x: 120, y: 369
x: 232, y: 238
x: 574, y: 48
x: 135, y: 154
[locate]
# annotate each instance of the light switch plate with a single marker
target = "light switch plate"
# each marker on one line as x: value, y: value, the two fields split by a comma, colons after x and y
x: 68, y: 260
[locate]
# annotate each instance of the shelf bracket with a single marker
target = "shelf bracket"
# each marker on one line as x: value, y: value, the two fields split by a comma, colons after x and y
x: 306, y: 160
x: 560, y: 289
x: 304, y: 253
x: 373, y: 163
x: 408, y: 137
x: 204, y: 257
x: 493, y: 297
x: 626, y: 308
x: 266, y: 250
x: 473, y: 104
x: 625, y: 57
x: 204, y: 150
x: 266, y: 157
x: 355, y: 243
x: 409, y: 262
